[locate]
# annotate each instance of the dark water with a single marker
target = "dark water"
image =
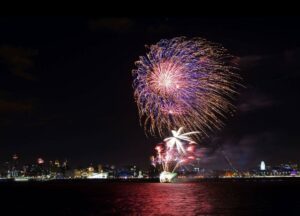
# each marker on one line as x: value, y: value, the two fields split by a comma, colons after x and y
x: 121, y: 198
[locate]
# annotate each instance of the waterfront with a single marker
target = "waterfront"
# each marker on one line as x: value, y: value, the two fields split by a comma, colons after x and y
x: 278, y: 197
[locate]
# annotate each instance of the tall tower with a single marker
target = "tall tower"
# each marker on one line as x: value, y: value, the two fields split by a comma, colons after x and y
x: 14, y: 166
x: 262, y: 166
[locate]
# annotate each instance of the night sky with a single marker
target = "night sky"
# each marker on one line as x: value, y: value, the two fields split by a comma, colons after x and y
x: 66, y: 92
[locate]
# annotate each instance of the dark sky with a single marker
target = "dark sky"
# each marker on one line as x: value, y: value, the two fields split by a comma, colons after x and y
x: 65, y: 88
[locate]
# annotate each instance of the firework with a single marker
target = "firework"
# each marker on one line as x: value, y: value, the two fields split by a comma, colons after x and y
x: 175, y: 151
x: 184, y: 82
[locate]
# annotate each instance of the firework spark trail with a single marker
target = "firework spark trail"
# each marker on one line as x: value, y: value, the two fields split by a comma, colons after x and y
x: 184, y: 82
x: 175, y: 151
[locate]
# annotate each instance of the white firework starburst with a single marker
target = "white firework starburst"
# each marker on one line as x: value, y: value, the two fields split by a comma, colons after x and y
x: 178, y: 139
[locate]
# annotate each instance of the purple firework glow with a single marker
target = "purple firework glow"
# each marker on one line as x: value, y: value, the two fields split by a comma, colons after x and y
x: 184, y: 83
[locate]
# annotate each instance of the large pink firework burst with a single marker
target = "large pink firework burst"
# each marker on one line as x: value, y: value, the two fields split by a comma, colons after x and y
x: 184, y: 82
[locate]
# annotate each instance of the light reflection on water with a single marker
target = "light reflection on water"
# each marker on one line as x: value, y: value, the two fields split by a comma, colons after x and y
x: 164, y: 199
x: 93, y: 198
x: 210, y: 198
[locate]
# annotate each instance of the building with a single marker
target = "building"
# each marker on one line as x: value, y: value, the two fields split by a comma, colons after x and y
x: 262, y: 166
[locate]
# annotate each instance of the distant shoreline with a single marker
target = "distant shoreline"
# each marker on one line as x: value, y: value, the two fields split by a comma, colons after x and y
x: 156, y: 180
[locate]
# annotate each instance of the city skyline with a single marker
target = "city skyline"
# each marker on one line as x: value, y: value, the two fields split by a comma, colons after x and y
x: 66, y: 88
x: 15, y: 169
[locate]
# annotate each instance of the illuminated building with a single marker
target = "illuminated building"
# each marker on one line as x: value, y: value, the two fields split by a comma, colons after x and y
x: 65, y: 164
x: 140, y: 174
x: 100, y: 168
x: 133, y: 170
x: 90, y: 170
x: 56, y: 163
x: 102, y: 175
x: 262, y: 166
x: 229, y: 174
x: 14, y: 172
x: 77, y: 173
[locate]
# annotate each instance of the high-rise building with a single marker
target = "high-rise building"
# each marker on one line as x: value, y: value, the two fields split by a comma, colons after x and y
x: 56, y: 163
x: 262, y: 166
x: 100, y: 168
